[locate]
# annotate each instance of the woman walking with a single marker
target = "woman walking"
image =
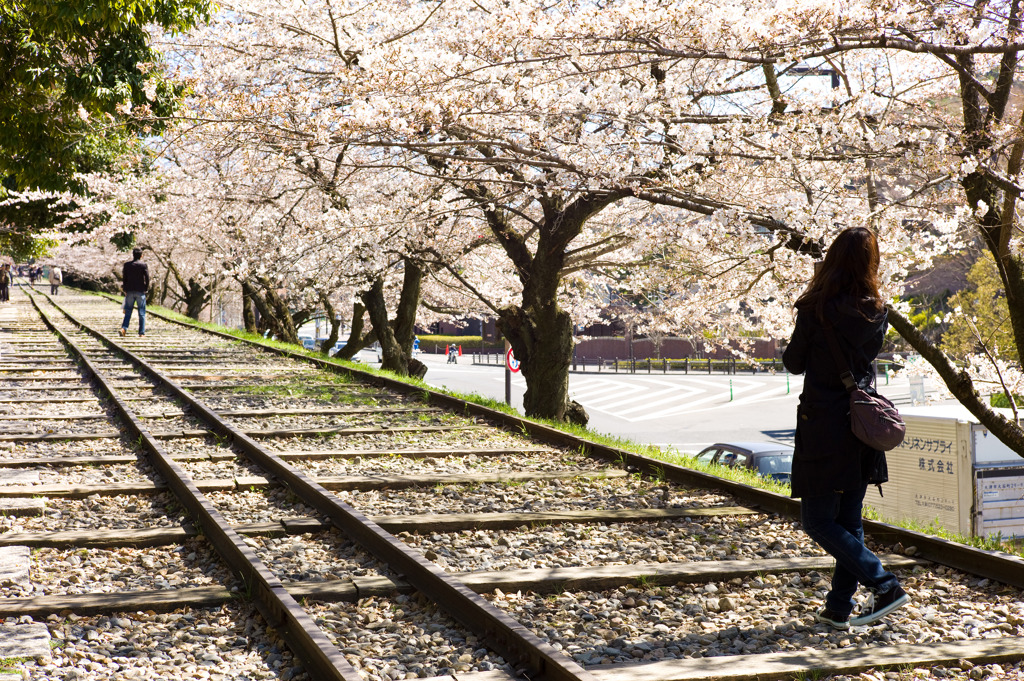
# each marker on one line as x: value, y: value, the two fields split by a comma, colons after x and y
x: 831, y: 467
x: 56, y: 279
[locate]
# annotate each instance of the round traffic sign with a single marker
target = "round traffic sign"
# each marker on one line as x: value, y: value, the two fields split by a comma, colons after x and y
x: 511, y: 362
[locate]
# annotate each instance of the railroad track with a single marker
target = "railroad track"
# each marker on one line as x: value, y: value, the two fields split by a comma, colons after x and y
x: 184, y: 504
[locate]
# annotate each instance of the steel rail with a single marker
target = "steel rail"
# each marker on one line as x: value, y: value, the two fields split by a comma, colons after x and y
x: 997, y: 565
x: 526, y: 652
x: 319, y: 655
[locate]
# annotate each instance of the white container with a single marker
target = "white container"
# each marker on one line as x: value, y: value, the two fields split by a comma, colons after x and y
x: 952, y: 471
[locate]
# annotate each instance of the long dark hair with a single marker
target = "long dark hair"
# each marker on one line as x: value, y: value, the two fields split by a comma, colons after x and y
x: 850, y: 269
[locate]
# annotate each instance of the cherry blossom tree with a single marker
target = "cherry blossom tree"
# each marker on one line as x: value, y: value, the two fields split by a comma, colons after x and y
x: 552, y: 131
x: 532, y: 156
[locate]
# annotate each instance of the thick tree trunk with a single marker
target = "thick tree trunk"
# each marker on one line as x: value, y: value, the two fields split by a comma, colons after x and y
x: 392, y: 356
x: 539, y: 330
x: 332, y: 337
x: 541, y: 338
x: 197, y: 297
x: 408, y: 304
x: 281, y: 313
x: 396, y: 341
x: 163, y: 289
x: 248, y: 316
x: 268, y: 316
x: 356, y: 340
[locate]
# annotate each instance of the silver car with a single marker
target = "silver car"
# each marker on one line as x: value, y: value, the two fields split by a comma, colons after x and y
x: 769, y: 459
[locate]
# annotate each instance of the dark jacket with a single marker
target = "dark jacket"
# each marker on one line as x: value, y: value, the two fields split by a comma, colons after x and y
x: 135, y: 277
x: 827, y: 455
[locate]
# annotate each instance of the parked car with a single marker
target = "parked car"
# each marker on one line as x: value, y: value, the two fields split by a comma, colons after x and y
x: 770, y: 459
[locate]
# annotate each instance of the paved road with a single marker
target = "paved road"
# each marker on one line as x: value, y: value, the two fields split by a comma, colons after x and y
x: 685, y: 412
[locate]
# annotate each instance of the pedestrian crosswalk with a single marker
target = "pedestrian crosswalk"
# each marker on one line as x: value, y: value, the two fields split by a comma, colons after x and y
x: 645, y: 398
x: 646, y: 407
x: 638, y: 397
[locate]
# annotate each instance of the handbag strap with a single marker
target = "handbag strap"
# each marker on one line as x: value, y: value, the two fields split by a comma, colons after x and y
x: 845, y: 375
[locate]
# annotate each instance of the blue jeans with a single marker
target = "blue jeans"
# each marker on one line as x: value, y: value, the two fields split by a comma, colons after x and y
x: 132, y: 298
x: 833, y: 520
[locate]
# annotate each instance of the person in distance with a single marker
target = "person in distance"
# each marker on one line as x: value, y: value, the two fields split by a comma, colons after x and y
x: 831, y: 467
x: 135, y: 282
x: 56, y: 279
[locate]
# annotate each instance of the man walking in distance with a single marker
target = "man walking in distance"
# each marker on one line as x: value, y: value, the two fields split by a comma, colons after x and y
x: 135, y: 282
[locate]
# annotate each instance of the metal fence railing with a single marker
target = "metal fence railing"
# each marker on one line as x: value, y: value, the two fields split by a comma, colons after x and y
x: 693, y: 365
x: 650, y: 366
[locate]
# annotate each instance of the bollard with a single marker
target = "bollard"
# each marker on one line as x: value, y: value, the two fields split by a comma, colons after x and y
x: 730, y: 390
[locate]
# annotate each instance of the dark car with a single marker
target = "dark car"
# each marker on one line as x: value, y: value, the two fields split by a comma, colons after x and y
x: 767, y: 458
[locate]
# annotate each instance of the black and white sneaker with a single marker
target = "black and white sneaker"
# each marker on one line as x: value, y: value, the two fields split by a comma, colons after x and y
x: 836, y: 621
x: 882, y: 605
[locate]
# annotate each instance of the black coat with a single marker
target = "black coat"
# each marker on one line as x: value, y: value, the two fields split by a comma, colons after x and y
x: 135, y: 277
x: 828, y: 457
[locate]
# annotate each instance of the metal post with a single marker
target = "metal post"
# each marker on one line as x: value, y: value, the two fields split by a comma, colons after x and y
x: 508, y: 378
x: 730, y: 390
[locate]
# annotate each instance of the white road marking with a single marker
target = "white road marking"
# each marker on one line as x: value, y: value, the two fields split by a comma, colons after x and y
x: 639, y: 398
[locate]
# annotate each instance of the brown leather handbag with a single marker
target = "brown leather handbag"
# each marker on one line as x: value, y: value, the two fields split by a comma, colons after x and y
x: 874, y: 419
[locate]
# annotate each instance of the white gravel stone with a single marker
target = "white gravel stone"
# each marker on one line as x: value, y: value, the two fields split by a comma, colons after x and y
x: 768, y: 614
x: 80, y: 571
x: 230, y: 642
x: 556, y: 495
x: 571, y: 545
x: 399, y: 638
x: 323, y: 556
x: 100, y: 512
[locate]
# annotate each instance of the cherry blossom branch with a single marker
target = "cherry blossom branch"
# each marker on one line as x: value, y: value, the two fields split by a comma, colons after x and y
x: 959, y: 383
x: 995, y: 365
